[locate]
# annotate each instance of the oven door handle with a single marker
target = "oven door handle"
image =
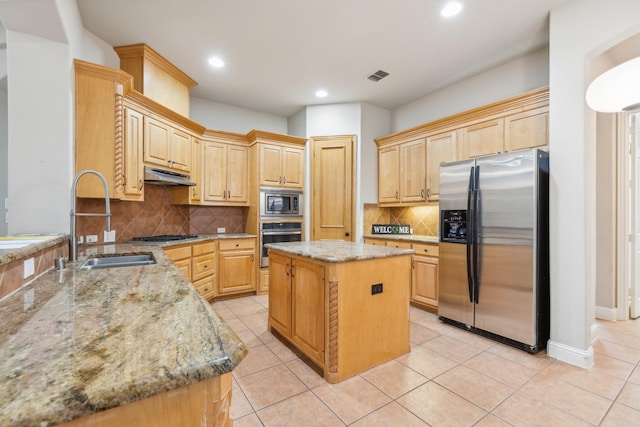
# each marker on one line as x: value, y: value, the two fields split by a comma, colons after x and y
x: 274, y: 233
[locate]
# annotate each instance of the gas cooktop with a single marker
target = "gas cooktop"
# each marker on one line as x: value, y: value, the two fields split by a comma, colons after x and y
x: 164, y: 238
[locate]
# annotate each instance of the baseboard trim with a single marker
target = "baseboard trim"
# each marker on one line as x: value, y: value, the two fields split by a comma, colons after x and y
x: 571, y: 355
x: 606, y: 313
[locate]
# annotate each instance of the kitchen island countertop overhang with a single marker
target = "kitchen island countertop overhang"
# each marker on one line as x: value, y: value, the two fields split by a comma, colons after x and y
x: 76, y: 342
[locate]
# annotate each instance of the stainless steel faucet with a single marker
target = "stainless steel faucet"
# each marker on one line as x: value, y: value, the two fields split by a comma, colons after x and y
x: 73, y: 241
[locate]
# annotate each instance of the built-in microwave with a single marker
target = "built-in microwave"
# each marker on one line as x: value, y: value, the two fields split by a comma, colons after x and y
x: 280, y: 203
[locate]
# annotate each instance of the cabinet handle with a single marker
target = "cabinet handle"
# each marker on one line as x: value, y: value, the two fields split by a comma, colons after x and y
x: 413, y: 263
x: 396, y: 194
x: 124, y: 178
x: 286, y: 269
x: 426, y: 250
x: 237, y: 244
x: 428, y: 192
x: 140, y: 184
x: 252, y: 259
x: 292, y: 268
x: 284, y: 179
x: 194, y: 192
x: 422, y: 193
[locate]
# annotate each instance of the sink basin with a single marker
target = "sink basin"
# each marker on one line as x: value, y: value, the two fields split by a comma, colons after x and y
x: 118, y: 260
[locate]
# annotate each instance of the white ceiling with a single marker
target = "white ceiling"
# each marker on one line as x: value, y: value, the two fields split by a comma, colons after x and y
x: 279, y: 52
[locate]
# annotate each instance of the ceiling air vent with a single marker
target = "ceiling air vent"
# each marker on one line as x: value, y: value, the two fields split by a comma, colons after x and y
x: 378, y: 75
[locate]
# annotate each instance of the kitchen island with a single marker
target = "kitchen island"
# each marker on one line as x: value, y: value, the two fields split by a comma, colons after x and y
x: 345, y: 306
x: 115, y: 346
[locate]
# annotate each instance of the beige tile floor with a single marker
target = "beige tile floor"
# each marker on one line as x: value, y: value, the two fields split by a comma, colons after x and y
x: 450, y: 378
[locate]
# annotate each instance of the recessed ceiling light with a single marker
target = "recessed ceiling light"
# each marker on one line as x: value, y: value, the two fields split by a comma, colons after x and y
x: 216, y: 62
x: 321, y: 93
x: 451, y: 9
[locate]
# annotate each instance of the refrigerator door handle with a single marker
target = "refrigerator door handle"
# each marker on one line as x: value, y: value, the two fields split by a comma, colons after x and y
x: 476, y: 235
x: 470, y: 226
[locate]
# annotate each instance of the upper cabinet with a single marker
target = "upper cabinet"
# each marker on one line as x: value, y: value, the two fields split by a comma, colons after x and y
x: 167, y: 146
x: 409, y: 161
x: 281, y: 166
x: 440, y: 148
x: 225, y: 169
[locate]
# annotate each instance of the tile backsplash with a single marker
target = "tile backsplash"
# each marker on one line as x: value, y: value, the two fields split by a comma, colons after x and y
x: 423, y: 219
x: 156, y: 215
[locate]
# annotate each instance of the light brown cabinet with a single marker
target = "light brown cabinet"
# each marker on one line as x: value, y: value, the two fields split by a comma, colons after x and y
x: 527, y: 129
x: 225, y: 174
x: 190, y: 195
x: 198, y: 264
x: 133, y: 170
x: 237, y: 266
x: 440, y: 148
x: 402, y: 177
x: 296, y: 303
x: 281, y: 166
x: 167, y: 146
x: 481, y: 139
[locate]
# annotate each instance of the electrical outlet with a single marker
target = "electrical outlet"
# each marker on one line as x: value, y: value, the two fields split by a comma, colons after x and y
x: 109, y: 236
x: 92, y: 238
x: 29, y: 267
x: 221, y: 230
x: 376, y: 289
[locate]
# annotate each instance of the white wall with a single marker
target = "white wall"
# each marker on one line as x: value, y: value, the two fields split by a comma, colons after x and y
x: 297, y: 124
x: 578, y: 32
x: 513, y: 78
x: 4, y: 151
x: 218, y: 116
x: 376, y: 122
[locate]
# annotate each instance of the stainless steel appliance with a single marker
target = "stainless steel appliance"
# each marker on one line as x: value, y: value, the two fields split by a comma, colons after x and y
x: 164, y: 177
x: 276, y: 203
x: 494, y: 247
x: 277, y: 232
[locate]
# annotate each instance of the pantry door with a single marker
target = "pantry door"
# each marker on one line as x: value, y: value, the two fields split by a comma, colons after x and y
x: 332, y: 187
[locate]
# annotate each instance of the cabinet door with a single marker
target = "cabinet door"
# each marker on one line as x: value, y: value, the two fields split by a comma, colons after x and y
x: 214, y: 174
x: 180, y: 151
x: 482, y: 139
x: 157, y: 139
x: 133, y: 181
x: 270, y: 165
x: 424, y: 280
x: 388, y: 175
x: 237, y: 174
x: 263, y: 281
x: 307, y: 308
x: 412, y: 171
x: 280, y: 293
x: 196, y: 172
x: 184, y: 265
x: 440, y: 148
x: 237, y: 271
x: 527, y: 129
x: 293, y: 167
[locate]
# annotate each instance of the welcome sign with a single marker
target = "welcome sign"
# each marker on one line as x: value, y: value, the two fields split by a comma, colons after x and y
x: 391, y: 229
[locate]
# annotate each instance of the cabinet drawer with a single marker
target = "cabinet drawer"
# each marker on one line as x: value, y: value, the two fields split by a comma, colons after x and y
x: 425, y: 249
x: 203, y: 248
x: 378, y: 242
x: 202, y: 266
x: 398, y: 244
x: 228, y: 245
x: 206, y: 287
x: 176, y: 254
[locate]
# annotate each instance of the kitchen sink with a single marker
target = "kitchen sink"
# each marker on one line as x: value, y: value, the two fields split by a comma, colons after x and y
x: 118, y: 260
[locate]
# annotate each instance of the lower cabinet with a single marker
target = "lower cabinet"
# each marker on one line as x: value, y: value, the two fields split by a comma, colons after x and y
x: 198, y: 264
x: 424, y: 271
x: 237, y: 266
x: 296, y: 303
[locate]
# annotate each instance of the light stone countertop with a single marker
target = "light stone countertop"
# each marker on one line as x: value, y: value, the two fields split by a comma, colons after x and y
x: 75, y: 342
x: 337, y: 251
x: 8, y: 255
x: 404, y: 237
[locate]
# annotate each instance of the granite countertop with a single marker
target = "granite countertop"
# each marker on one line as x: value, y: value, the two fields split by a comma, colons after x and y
x: 337, y: 251
x: 75, y: 342
x: 201, y: 238
x: 404, y: 237
x: 40, y: 242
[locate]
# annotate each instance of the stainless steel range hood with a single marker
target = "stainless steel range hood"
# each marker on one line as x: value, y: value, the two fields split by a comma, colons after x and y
x: 164, y: 177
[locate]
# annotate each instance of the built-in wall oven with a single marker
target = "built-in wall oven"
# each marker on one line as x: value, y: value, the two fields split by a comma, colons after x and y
x: 278, y: 232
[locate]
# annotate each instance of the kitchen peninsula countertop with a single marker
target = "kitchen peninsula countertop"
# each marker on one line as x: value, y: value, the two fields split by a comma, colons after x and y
x: 416, y: 238
x: 47, y: 241
x: 337, y: 251
x: 76, y: 342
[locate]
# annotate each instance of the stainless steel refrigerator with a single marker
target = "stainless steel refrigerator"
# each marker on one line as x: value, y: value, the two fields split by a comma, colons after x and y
x: 494, y: 247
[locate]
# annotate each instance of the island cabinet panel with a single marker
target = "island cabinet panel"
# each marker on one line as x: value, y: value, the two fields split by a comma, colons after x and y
x: 206, y: 403
x: 280, y: 293
x: 307, y: 308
